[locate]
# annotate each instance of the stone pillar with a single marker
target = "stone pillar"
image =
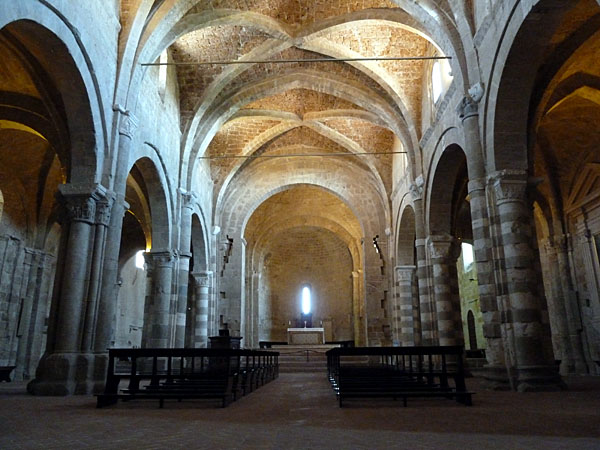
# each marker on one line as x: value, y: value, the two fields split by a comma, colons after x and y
x: 444, y: 251
x: 185, y: 239
x: 403, y: 311
x: 468, y: 111
x: 107, y: 306
x: 32, y: 262
x: 203, y: 283
x: 359, y: 331
x: 157, y: 324
x: 556, y: 309
x: 67, y: 370
x: 426, y: 336
x: 103, y: 208
x: 573, y: 314
x: 530, y: 368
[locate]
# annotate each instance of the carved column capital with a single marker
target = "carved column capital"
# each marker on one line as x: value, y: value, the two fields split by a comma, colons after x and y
x: 469, y: 105
x: 128, y: 123
x: 80, y: 201
x: 509, y: 185
x: 203, y: 278
x: 405, y: 273
x: 416, y: 189
x: 188, y: 199
x: 103, y: 210
x: 160, y: 259
x: 443, y: 246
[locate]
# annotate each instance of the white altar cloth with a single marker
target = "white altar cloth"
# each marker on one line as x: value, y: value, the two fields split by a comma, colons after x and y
x: 306, y: 336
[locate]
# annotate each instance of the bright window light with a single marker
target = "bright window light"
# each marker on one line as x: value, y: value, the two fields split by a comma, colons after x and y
x: 436, y: 81
x: 467, y: 254
x: 162, y: 72
x: 139, y: 259
x: 305, y: 300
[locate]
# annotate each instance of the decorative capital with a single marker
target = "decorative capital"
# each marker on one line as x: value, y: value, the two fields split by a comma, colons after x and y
x: 509, y: 185
x: 203, y: 279
x: 405, y: 273
x: 127, y: 121
x: 188, y: 198
x: 80, y: 201
x: 469, y: 105
x: 160, y: 258
x: 416, y: 188
x: 103, y: 209
x: 443, y: 246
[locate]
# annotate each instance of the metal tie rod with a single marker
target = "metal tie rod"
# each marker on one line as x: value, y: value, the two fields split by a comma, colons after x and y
x: 300, y: 60
x: 299, y: 155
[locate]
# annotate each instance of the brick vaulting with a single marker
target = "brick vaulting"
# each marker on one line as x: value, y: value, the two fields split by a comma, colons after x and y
x: 150, y: 197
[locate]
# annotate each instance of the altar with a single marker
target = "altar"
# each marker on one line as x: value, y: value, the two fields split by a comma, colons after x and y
x: 306, y: 336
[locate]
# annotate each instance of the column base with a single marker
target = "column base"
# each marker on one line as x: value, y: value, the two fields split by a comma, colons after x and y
x: 495, y: 378
x: 70, y: 374
x: 538, y: 379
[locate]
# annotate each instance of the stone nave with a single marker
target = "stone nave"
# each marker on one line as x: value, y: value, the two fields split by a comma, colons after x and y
x: 448, y: 194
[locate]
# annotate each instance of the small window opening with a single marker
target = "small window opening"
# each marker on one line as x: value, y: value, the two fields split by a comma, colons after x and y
x: 140, y: 261
x: 436, y: 81
x: 306, y: 306
x: 162, y: 73
x: 467, y: 254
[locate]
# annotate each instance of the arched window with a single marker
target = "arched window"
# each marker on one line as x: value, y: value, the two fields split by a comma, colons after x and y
x: 306, y: 300
x: 436, y: 81
x: 162, y: 73
x: 140, y: 260
x: 472, y: 332
x: 441, y: 78
x: 467, y: 254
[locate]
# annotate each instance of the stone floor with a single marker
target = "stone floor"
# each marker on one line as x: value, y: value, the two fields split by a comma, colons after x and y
x: 299, y: 411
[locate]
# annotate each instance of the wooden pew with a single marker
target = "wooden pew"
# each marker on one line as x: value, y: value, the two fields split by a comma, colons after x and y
x: 184, y: 373
x: 398, y: 373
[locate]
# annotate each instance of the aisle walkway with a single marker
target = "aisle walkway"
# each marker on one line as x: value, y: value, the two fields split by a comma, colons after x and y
x: 299, y: 411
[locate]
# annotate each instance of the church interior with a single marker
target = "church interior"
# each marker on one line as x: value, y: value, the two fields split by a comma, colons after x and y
x: 389, y: 173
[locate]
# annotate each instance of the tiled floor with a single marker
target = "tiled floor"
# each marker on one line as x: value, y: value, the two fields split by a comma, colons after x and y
x: 299, y: 411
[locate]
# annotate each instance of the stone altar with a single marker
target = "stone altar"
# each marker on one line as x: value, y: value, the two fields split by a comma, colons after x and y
x: 306, y: 336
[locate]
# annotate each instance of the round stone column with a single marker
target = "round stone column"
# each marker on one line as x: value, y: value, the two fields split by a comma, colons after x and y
x: 402, y: 313
x: 107, y: 301
x: 530, y: 367
x: 203, y: 282
x: 468, y: 111
x: 444, y: 251
x: 185, y: 239
x: 425, y: 330
x: 66, y: 368
x: 159, y: 330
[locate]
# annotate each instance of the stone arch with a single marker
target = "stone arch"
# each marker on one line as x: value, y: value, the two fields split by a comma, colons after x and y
x: 515, y: 67
x: 158, y: 195
x: 200, y: 244
x: 257, y: 144
x: 307, y: 79
x: 158, y: 34
x: 269, y: 191
x: 441, y: 199
x: 54, y: 51
x: 405, y: 238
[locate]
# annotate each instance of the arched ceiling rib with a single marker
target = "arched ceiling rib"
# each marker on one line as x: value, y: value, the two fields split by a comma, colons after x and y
x: 267, y: 109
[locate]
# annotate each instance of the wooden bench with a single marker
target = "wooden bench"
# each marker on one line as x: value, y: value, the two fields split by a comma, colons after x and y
x: 5, y: 373
x: 398, y: 373
x: 162, y: 374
